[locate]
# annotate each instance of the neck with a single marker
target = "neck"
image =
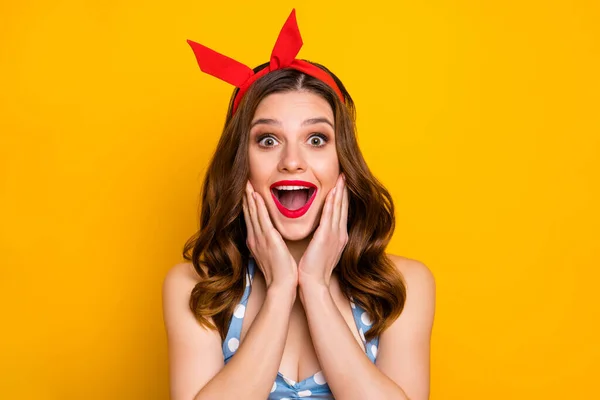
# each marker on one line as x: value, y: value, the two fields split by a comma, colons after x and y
x: 298, y: 247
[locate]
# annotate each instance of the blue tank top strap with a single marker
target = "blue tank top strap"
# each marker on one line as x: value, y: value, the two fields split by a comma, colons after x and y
x: 363, y: 323
x: 232, y: 340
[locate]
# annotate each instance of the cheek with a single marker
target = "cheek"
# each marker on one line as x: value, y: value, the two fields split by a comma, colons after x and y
x: 326, y: 169
x: 260, y: 169
x: 255, y: 165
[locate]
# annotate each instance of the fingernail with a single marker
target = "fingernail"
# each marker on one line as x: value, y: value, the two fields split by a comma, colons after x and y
x: 254, y: 195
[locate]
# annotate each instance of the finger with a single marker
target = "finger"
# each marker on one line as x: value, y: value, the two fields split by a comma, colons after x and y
x: 344, y: 216
x: 326, y: 214
x: 253, y: 211
x: 263, y: 214
x: 337, y: 202
x: 249, y: 228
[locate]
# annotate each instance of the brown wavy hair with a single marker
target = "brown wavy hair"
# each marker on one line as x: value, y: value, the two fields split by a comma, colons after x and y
x: 218, y: 249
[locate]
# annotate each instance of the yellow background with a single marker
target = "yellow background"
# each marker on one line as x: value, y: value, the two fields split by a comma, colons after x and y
x: 480, y: 117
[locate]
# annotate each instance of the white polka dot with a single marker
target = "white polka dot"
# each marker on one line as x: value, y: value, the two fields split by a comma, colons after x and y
x: 362, y: 334
x: 247, y: 280
x: 274, y: 387
x: 233, y: 344
x: 289, y: 381
x: 305, y: 393
x: 352, y: 305
x: 320, y: 378
x: 240, y: 310
x: 374, y: 350
x: 285, y: 398
x: 366, y: 319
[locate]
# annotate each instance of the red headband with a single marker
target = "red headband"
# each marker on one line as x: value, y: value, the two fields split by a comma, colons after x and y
x: 289, y: 43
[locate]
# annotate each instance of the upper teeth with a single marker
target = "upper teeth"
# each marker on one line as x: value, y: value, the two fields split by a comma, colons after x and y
x: 291, y: 187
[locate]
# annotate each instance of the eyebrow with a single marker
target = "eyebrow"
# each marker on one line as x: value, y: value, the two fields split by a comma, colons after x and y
x: 310, y: 121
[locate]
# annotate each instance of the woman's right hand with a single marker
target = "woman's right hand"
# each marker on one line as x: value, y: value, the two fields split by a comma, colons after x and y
x: 266, y: 244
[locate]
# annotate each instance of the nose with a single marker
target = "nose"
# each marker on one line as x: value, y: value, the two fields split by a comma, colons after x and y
x: 292, y: 159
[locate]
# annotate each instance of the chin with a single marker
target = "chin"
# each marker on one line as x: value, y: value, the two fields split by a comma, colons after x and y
x: 295, y: 229
x: 295, y: 235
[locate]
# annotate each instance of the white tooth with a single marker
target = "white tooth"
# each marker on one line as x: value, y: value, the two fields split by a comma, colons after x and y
x: 291, y: 187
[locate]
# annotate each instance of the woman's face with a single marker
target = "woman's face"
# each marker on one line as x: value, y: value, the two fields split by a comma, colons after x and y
x: 292, y: 138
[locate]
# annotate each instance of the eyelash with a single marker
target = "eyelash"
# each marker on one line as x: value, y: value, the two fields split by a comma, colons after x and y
x: 268, y: 135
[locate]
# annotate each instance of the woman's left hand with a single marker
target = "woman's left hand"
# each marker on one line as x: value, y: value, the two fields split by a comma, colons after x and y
x: 329, y: 240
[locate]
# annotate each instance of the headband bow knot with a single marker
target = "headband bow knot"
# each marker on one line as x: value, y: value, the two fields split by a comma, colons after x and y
x: 287, y: 47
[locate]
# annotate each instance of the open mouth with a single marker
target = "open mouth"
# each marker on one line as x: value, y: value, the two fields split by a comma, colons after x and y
x: 293, y: 199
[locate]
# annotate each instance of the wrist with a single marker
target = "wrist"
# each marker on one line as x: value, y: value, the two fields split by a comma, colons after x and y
x: 311, y: 288
x: 282, y: 292
x: 310, y: 282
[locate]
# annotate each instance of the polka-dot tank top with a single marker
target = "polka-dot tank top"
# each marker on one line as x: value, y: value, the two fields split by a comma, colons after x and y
x: 313, y: 387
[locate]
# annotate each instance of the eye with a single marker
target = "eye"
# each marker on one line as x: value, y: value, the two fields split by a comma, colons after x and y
x: 266, y: 141
x: 318, y: 140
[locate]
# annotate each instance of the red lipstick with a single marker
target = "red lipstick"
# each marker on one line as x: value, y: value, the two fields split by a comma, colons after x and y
x: 300, y: 211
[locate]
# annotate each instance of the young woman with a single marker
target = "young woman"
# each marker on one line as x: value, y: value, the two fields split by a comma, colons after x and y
x: 288, y: 292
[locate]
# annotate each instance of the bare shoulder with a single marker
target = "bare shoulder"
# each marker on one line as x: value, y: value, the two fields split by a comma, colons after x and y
x: 177, y: 288
x: 419, y: 308
x: 194, y: 351
x: 178, y: 283
x: 416, y: 274
x: 405, y: 346
x: 181, y: 274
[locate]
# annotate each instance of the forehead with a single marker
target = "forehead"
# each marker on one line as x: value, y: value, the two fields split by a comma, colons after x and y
x: 296, y: 105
